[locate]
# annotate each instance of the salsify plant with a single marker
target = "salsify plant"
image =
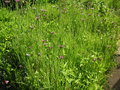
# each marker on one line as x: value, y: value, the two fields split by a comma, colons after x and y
x: 62, y: 46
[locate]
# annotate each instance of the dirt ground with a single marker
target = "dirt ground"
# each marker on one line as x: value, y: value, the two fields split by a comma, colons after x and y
x: 114, y: 78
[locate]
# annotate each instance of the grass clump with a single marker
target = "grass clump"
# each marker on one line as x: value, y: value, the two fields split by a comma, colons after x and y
x: 61, y: 46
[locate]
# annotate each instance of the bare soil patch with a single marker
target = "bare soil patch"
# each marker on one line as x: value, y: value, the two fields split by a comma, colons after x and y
x: 114, y: 78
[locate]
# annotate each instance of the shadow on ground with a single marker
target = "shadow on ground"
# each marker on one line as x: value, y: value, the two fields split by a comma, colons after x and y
x: 114, y: 79
x: 117, y: 85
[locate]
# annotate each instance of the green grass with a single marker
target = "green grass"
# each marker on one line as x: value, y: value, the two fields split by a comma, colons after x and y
x: 62, y: 46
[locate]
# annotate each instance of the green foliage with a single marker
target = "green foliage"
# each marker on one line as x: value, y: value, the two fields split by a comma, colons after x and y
x: 52, y: 1
x: 67, y: 45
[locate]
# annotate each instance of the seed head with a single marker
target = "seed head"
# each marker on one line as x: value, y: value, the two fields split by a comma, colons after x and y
x: 52, y: 32
x: 20, y: 66
x: 28, y: 54
x: 43, y: 10
x: 43, y: 40
x: 94, y: 59
x: 37, y: 18
x: 7, y: 1
x: 61, y: 57
x: 45, y: 44
x: 50, y: 47
x: 39, y: 54
x: 6, y: 82
x: 31, y: 27
x: 17, y: 0
x: 61, y: 46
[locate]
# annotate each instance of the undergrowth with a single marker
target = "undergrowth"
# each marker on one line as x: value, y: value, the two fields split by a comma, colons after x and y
x: 65, y: 45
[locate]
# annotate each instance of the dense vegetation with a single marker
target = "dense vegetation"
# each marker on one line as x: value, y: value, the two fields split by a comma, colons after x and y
x: 58, y: 44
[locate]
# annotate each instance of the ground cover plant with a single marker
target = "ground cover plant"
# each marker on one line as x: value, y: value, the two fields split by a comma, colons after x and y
x: 58, y: 45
